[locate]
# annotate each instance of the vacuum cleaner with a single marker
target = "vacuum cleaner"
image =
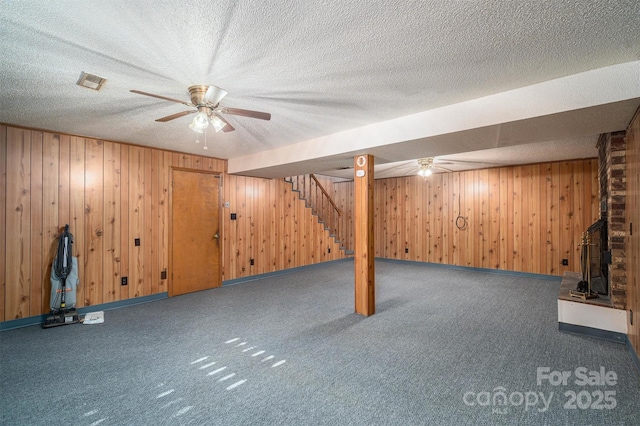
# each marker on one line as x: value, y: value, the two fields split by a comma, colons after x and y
x: 64, y: 281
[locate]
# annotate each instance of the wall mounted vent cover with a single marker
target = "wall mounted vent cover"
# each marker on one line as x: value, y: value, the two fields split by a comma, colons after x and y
x: 91, y: 81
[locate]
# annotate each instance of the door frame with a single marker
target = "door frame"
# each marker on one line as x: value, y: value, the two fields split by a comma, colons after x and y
x: 170, y: 224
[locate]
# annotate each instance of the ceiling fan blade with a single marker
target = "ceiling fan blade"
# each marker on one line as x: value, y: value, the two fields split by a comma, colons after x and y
x: 214, y: 95
x: 411, y: 172
x: 460, y: 161
x: 247, y: 113
x: 161, y: 97
x: 400, y: 165
x: 174, y: 116
x: 228, y: 127
x: 436, y: 166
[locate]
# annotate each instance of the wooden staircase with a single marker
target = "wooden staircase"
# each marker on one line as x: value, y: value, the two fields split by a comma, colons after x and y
x: 321, y: 204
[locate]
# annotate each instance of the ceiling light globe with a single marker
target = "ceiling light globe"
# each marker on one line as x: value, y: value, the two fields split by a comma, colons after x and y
x: 217, y: 123
x: 200, y: 122
x: 193, y: 126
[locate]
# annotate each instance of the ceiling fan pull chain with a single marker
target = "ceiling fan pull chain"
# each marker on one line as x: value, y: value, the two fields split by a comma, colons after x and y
x: 205, y: 139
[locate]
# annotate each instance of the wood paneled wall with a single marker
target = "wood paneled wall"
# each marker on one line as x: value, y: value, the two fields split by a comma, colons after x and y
x: 632, y: 245
x: 111, y: 193
x: 524, y: 218
x: 273, y: 227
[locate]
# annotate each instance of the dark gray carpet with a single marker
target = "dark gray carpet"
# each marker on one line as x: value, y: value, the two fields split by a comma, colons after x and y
x: 440, y: 341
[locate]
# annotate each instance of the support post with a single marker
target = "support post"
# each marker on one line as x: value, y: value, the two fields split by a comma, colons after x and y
x: 364, y: 253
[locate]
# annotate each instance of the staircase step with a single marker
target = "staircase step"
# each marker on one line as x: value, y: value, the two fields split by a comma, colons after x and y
x: 314, y: 212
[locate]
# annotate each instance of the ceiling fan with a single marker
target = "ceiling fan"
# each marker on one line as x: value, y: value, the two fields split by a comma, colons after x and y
x: 206, y: 100
x: 426, y: 166
x: 423, y: 167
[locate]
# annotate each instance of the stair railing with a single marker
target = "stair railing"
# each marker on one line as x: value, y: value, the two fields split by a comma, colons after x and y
x: 320, y: 202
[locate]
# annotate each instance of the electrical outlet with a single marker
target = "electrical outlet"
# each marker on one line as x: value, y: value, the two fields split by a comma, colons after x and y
x: 233, y: 216
x: 124, y: 281
x: 406, y: 250
x: 251, y: 262
x: 136, y: 242
x: 163, y: 275
x: 329, y: 250
x: 565, y: 262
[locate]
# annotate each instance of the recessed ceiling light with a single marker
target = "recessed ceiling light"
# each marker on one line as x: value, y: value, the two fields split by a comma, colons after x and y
x: 91, y: 81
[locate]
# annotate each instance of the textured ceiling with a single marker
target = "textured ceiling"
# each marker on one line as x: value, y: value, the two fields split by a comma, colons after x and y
x: 323, y: 69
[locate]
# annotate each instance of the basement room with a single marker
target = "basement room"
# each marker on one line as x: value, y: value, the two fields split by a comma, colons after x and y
x: 294, y: 213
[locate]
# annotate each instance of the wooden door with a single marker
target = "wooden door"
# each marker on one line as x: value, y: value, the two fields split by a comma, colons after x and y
x: 195, y: 232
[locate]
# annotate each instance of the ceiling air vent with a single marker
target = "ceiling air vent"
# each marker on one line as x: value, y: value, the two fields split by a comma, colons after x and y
x: 91, y: 81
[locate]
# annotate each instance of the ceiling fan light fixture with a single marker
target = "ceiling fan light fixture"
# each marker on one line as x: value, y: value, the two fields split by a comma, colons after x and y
x: 195, y: 128
x: 214, y: 95
x: 425, y: 172
x: 426, y: 167
x: 200, y: 122
x: 217, y: 123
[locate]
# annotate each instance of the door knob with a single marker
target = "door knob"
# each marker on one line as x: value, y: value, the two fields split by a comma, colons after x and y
x: 216, y: 236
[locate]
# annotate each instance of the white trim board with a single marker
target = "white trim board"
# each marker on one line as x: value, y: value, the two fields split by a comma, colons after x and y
x: 593, y: 316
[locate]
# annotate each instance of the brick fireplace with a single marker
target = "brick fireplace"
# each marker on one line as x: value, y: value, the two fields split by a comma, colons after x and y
x: 612, y: 177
